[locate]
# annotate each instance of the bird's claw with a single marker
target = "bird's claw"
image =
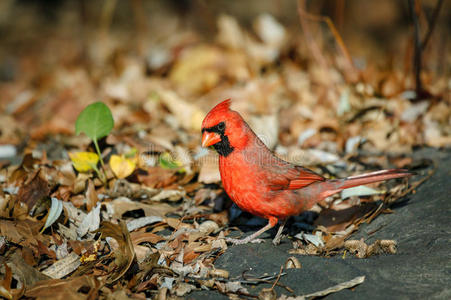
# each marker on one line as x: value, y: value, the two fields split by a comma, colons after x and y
x: 257, y: 241
x: 276, y: 240
x: 244, y: 241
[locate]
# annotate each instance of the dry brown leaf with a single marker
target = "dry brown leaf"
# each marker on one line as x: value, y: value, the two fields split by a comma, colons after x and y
x: 183, y: 288
x: 338, y: 220
x: 198, y: 69
x: 63, y: 266
x: 157, y: 177
x: 219, y: 273
x: 310, y: 249
x: 188, y: 115
x: 170, y: 195
x: 141, y: 237
x: 208, y: 227
x: 121, y: 205
x: 28, y: 276
x: 125, y: 254
x: 5, y: 284
x: 292, y: 263
x: 78, y: 288
x: 25, y: 233
x: 33, y: 190
x: 91, y: 196
x: 362, y: 250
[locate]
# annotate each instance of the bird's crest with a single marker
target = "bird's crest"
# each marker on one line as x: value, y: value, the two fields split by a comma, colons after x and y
x: 217, y: 114
x: 223, y: 106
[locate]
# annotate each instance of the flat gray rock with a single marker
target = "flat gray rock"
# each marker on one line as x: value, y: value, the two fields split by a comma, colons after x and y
x: 420, y: 269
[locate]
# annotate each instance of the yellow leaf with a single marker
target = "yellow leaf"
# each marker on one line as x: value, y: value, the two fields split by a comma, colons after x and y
x: 122, y: 166
x: 84, y: 161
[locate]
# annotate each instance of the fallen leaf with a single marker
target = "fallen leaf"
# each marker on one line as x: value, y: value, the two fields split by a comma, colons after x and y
x: 314, y: 239
x: 33, y: 190
x: 54, y: 213
x: 91, y: 196
x: 78, y: 288
x: 188, y: 115
x: 121, y: 166
x: 28, y: 276
x: 90, y: 222
x: 170, y: 195
x: 25, y: 233
x: 125, y: 254
x: 141, y: 237
x: 292, y: 263
x: 84, y: 161
x: 336, y: 288
x: 141, y: 222
x: 122, y: 204
x: 198, y: 69
x: 63, y: 266
x: 362, y: 250
x: 359, y: 191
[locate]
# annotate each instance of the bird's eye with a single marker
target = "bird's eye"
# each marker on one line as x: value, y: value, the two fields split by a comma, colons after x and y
x: 221, y: 126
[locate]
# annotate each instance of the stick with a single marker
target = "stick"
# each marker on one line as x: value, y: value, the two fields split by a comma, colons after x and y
x: 432, y: 24
x: 417, y: 49
x: 341, y: 45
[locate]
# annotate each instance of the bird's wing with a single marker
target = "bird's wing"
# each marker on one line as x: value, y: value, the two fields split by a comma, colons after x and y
x: 284, y: 176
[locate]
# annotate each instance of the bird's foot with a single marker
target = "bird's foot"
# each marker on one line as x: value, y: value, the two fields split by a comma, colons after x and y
x: 244, y: 241
x: 276, y: 240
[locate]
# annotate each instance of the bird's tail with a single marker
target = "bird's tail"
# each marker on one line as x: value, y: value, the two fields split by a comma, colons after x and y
x: 337, y: 185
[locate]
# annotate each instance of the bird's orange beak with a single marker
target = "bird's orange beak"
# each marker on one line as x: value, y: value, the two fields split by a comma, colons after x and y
x: 210, y: 138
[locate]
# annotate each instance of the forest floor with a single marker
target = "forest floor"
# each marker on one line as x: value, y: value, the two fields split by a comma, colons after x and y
x: 106, y: 192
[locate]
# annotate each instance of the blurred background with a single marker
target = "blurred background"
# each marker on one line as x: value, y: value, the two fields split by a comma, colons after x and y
x: 334, y: 76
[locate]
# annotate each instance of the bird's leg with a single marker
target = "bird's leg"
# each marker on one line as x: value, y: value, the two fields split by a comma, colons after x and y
x: 253, y: 237
x: 276, y: 240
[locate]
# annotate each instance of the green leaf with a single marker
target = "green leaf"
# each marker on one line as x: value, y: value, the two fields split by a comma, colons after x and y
x: 96, y: 121
x: 166, y: 161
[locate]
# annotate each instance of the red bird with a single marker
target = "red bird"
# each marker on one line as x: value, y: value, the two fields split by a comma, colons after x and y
x: 263, y: 184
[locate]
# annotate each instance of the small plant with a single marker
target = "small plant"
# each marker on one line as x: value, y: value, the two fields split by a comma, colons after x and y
x: 96, y: 121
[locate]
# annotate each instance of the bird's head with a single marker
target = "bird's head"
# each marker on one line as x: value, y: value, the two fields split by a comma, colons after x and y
x: 224, y: 129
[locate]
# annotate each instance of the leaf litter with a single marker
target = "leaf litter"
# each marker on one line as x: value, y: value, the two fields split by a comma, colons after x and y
x: 152, y: 219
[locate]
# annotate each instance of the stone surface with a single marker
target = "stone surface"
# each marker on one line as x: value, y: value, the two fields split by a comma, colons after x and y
x: 420, y: 269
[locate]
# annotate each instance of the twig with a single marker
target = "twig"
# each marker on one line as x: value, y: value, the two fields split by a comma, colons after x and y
x: 197, y: 280
x: 265, y: 279
x: 336, y: 288
x: 368, y: 218
x: 419, y: 182
x: 339, y: 13
x: 341, y: 45
x: 376, y: 230
x: 432, y: 24
x: 255, y: 280
x: 314, y: 48
x: 140, y: 20
x: 417, y: 48
x: 107, y: 15
x: 278, y: 278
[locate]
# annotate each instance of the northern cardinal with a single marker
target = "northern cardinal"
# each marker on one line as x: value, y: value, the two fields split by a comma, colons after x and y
x: 263, y: 184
